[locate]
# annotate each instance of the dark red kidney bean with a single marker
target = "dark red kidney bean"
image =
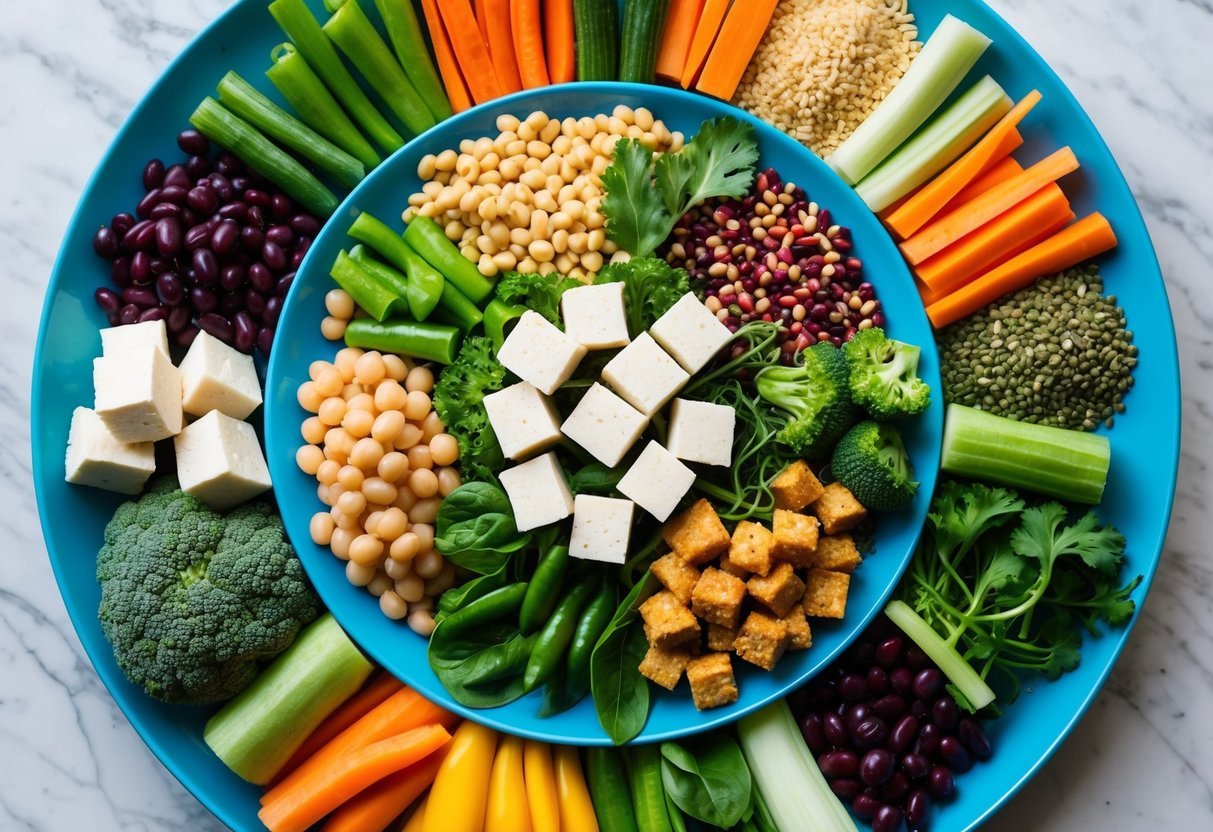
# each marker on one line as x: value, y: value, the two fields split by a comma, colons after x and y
x: 975, y: 739
x: 870, y: 733
x: 895, y: 789
x: 174, y: 193
x: 255, y: 217
x: 915, y: 658
x: 847, y: 788
x: 297, y: 259
x: 197, y: 166
x: 153, y: 174
x: 120, y: 272
x: 856, y: 714
x: 232, y: 277
x: 281, y: 235
x: 198, y: 237
x: 222, y: 186
x: 303, y: 245
x: 170, y: 288
x: 227, y: 164
x: 245, y: 332
x: 859, y: 655
x: 224, y: 238
x: 179, y: 318
x: 240, y: 183
x: 944, y: 712
x: 877, y: 766
x: 903, y: 734
x: 156, y: 313
x: 193, y: 142
x: 189, y: 218
x: 231, y: 303
x: 940, y: 782
x: 928, y: 740
x: 159, y: 265
x: 260, y: 278
x: 265, y: 340
x: 920, y: 708
x: 234, y: 211
x: 141, y: 268
x: 852, y: 688
x: 178, y: 177
x: 878, y: 681
x: 260, y: 198
x: 889, y: 706
x: 140, y: 297
x: 813, y: 733
x: 107, y: 299
x: 165, y: 209
x: 273, y: 309
x: 835, y: 730
x: 168, y: 236
x: 281, y: 206
x: 305, y: 224
x: 122, y: 223
x: 202, y: 199
x: 954, y: 755
x: 254, y: 302
x: 216, y: 325
x: 105, y: 242
x: 839, y: 763
x: 887, y: 819
x: 824, y: 695
x: 203, y: 300
x: 206, y: 266
x: 901, y: 680
x: 129, y: 314
x: 113, y: 319
x: 917, y: 805
x: 865, y: 806
x: 928, y: 683
x: 149, y: 201
x: 186, y: 336
x: 916, y: 766
x: 252, y: 238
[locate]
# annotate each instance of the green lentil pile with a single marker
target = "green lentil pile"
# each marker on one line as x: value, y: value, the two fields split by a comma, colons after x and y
x: 1056, y: 353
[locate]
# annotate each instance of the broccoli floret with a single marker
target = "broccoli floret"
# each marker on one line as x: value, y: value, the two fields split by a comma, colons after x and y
x: 814, y: 394
x: 459, y: 402
x: 194, y: 602
x: 884, y: 375
x: 872, y: 463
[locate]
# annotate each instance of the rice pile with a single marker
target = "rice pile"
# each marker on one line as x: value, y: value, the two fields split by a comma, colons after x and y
x: 824, y: 65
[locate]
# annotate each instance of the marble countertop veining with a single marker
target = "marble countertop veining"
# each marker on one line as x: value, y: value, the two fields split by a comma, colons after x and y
x: 1142, y: 757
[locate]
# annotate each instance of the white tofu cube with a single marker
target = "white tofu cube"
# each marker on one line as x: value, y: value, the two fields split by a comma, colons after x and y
x: 96, y: 458
x: 605, y: 425
x: 644, y: 375
x: 538, y: 352
x: 601, y: 528
x: 657, y: 481
x: 594, y: 316
x: 220, y: 462
x: 523, y: 419
x: 116, y: 339
x: 691, y: 333
x: 215, y: 376
x: 538, y: 492
x: 701, y: 432
x: 138, y: 394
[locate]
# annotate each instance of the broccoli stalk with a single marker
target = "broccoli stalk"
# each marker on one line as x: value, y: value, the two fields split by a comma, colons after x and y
x: 884, y: 375
x: 871, y: 461
x: 814, y: 394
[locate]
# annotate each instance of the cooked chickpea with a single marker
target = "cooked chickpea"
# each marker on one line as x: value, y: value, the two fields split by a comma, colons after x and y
x: 350, y: 390
x: 309, y: 458
x: 405, y: 500
x: 431, y: 426
x: 428, y: 564
x: 408, y: 438
x: 339, y: 304
x: 425, y: 511
x: 405, y: 548
x: 359, y: 574
x: 349, y: 522
x: 392, y: 523
x: 419, y: 380
x: 366, y: 550
x: 332, y: 410
x: 345, y: 360
x: 309, y: 397
x: 396, y: 570
x: 312, y: 430
x: 423, y: 482
x: 321, y: 528
x: 448, y: 480
x: 392, y: 605
x: 420, y: 457
x: 369, y: 368
x: 387, y: 426
x: 444, y: 449
x: 340, y: 544
x: 351, y: 502
x: 326, y: 474
x: 389, y: 395
x: 393, y: 466
x: 397, y: 368
x: 371, y: 524
x: 363, y: 401
x: 411, y: 588
x: 417, y: 406
x: 380, y: 584
x: 422, y: 623
x: 379, y: 490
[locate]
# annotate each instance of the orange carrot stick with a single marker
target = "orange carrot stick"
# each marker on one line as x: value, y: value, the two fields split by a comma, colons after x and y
x: 738, y: 39
x: 500, y: 37
x: 481, y: 10
x: 376, y: 807
x: 325, y: 790
x: 558, y: 32
x: 680, y: 24
x: 471, y: 50
x: 1081, y: 241
x: 355, y: 708
x: 448, y: 65
x: 1003, y: 170
x: 706, y: 31
x: 528, y: 42
x: 400, y: 712
x: 948, y: 229
x: 994, y: 145
x: 1035, y: 219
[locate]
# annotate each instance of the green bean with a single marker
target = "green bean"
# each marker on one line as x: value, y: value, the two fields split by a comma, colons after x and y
x: 425, y: 282
x: 455, y: 309
x: 408, y: 39
x: 497, y: 315
x: 378, y: 299
x: 432, y: 342
x: 608, y: 782
x: 648, y: 792
x: 545, y: 589
x: 382, y: 272
x: 590, y: 628
x: 556, y: 634
x: 677, y: 821
x: 498, y: 604
x: 429, y: 240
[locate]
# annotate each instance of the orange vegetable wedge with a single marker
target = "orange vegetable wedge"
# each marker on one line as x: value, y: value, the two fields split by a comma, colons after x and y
x: 1035, y: 219
x: 444, y: 54
x: 481, y: 10
x: 560, y: 40
x: 926, y: 204
x: 1003, y: 169
x: 680, y: 24
x: 948, y: 229
x: 706, y: 31
x: 374, y: 809
x: 499, y: 35
x: 1090, y: 236
x: 526, y: 24
x: 471, y: 50
x: 740, y: 35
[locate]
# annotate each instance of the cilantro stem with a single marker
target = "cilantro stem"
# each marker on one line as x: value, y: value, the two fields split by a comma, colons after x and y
x: 974, y: 690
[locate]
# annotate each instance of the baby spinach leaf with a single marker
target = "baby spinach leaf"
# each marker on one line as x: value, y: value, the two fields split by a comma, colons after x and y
x: 708, y: 778
x: 596, y: 479
x: 476, y: 529
x: 482, y: 667
x: 621, y: 693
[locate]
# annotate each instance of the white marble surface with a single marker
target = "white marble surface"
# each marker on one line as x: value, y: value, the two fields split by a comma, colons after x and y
x: 1142, y: 758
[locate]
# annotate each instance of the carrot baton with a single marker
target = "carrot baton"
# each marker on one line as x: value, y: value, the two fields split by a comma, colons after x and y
x: 471, y: 50
x: 1002, y: 170
x: 500, y: 36
x: 561, y: 45
x: 528, y: 43
x: 444, y: 54
x: 373, y: 809
x: 680, y: 24
x: 739, y: 37
x: 706, y: 30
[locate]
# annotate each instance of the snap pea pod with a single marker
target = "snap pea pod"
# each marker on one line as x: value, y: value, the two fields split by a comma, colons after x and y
x: 431, y: 342
x: 545, y: 589
x: 648, y: 792
x: 455, y: 309
x: 408, y: 39
x: 497, y: 315
x: 498, y: 604
x: 590, y: 628
x: 382, y: 272
x: 378, y: 299
x: 425, y: 282
x: 555, y: 636
x: 677, y: 821
x: 609, y: 791
x: 429, y: 240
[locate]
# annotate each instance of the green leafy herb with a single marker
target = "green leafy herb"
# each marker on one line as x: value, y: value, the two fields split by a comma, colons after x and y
x: 537, y: 292
x: 708, y: 778
x: 650, y: 287
x: 476, y: 530
x: 596, y: 479
x: 620, y: 692
x: 459, y: 402
x: 481, y: 667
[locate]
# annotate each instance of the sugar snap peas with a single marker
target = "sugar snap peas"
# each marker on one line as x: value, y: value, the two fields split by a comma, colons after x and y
x: 555, y: 636
x: 545, y: 589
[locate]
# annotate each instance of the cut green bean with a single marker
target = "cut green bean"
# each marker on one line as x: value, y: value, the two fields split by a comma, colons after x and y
x: 244, y: 100
x: 302, y: 28
x: 378, y: 299
x: 425, y: 282
x: 311, y: 99
x: 263, y: 156
x: 427, y: 238
x: 431, y: 342
x: 455, y: 309
x: 382, y: 272
x: 355, y: 35
x: 497, y: 316
x: 408, y: 39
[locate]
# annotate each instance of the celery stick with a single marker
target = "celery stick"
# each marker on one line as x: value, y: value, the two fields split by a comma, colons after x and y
x: 354, y: 34
x: 1067, y: 464
x: 263, y: 156
x: 244, y: 100
x: 959, y: 672
x: 936, y: 145
x: 408, y: 39
x: 948, y: 54
x: 301, y: 27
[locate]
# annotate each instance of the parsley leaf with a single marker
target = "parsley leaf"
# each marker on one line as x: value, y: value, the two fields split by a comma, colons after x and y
x: 650, y: 287
x: 637, y: 218
x: 540, y: 293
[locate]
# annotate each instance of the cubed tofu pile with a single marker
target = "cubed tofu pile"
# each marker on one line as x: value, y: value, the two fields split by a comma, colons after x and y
x: 749, y: 593
x: 140, y: 398
x: 640, y: 379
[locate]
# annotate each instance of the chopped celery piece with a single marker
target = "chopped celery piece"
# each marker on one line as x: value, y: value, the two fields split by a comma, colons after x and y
x: 408, y: 40
x: 301, y: 27
x: 431, y: 342
x: 1067, y: 464
x: 959, y: 672
x: 355, y: 35
x: 948, y: 54
x: 939, y: 143
x: 244, y: 100
x: 263, y: 156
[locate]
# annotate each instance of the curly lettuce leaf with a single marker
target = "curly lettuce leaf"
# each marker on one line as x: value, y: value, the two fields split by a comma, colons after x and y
x: 650, y: 287
x: 540, y: 293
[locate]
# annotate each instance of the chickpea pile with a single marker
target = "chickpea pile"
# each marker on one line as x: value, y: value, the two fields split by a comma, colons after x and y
x: 530, y: 200
x: 341, y: 310
x: 383, y: 462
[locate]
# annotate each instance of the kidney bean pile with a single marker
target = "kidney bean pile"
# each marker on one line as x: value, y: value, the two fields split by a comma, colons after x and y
x: 776, y: 256
x: 210, y: 246
x: 887, y: 736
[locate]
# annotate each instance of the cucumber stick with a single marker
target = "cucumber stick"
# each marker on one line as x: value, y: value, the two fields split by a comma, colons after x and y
x: 643, y: 25
x: 258, y: 731
x: 648, y: 792
x: 948, y: 54
x: 936, y: 145
x: 597, y: 28
x: 1066, y: 464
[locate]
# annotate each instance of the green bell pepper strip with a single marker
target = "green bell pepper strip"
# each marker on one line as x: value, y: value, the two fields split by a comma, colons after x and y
x: 497, y: 316
x: 431, y: 342
x: 301, y: 27
x: 355, y: 35
x: 648, y: 792
x: 545, y: 589
x: 408, y: 39
x: 233, y: 133
x: 243, y: 99
x: 608, y: 782
x: 593, y: 624
x: 556, y: 634
x: 429, y: 240
x: 311, y: 99
x: 425, y: 282
x: 378, y: 299
x: 498, y: 604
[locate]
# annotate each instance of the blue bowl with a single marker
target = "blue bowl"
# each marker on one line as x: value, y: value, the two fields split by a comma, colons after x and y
x: 384, y: 194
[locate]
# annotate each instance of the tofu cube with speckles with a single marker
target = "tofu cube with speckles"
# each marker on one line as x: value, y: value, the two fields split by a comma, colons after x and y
x: 604, y: 425
x: 537, y: 351
x: 712, y: 682
x: 95, y: 458
x: 691, y: 333
x: 750, y: 547
x: 701, y: 432
x: 838, y: 510
x: 667, y: 621
x: 795, y: 537
x: 838, y: 553
x: 665, y: 667
x: 779, y: 591
x: 644, y: 375
x: 761, y: 640
x: 796, y: 486
x: 800, y: 636
x: 657, y: 481
x: 538, y: 492
x: 676, y: 575
x: 825, y: 593
x: 601, y: 528
x: 697, y: 534
x: 523, y: 419
x: 718, y: 597
x: 594, y: 315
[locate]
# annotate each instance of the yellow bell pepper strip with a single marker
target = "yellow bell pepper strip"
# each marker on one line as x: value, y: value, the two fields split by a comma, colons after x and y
x: 459, y: 796
x: 508, y: 810
x: 416, y: 820
x: 541, y: 792
x: 576, y: 809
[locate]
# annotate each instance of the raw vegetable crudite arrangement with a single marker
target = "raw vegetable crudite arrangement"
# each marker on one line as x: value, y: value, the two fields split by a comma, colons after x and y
x: 614, y: 406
